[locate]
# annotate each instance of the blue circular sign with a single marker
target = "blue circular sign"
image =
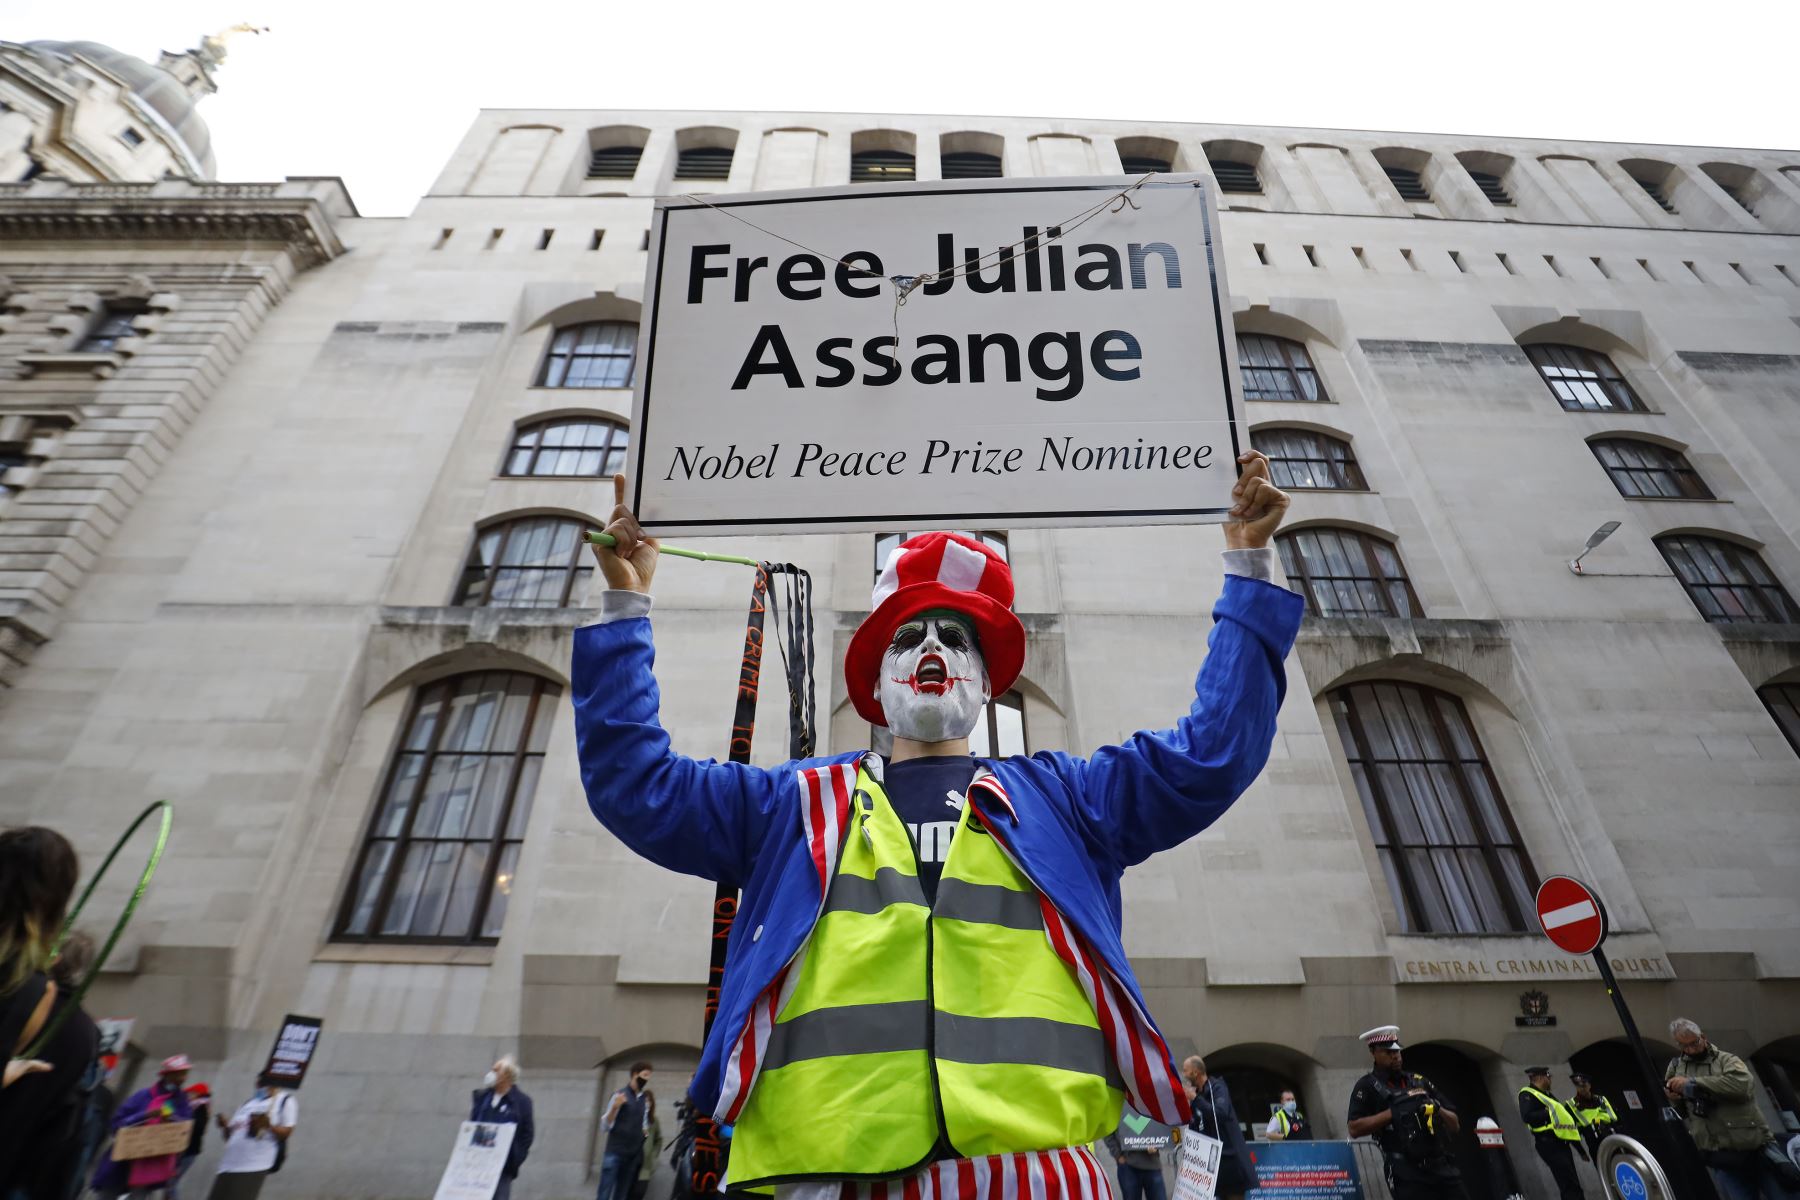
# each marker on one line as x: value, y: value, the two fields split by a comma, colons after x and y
x: 1629, y: 1182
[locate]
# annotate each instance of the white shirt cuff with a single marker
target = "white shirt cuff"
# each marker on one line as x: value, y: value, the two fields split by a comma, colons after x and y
x: 1253, y: 563
x: 618, y: 604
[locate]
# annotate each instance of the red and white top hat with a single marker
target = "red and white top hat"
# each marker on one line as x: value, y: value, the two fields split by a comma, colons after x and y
x: 937, y: 570
x: 173, y: 1063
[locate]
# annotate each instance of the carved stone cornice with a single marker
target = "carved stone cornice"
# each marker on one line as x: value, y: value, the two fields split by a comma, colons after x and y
x: 299, y: 214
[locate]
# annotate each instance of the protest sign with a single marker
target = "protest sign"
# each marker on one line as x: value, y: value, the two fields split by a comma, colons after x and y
x: 1048, y: 371
x: 152, y: 1141
x: 1197, y: 1173
x: 476, y: 1161
x: 293, y: 1050
x: 115, y: 1036
x: 1305, y: 1171
x: 1138, y: 1132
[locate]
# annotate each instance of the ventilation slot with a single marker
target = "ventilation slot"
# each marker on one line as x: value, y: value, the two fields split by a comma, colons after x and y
x: 1492, y: 188
x: 1407, y: 183
x: 1239, y: 177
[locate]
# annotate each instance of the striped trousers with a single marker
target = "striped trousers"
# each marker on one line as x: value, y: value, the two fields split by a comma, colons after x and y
x: 1072, y: 1174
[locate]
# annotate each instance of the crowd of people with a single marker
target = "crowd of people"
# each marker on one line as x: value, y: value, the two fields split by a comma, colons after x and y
x: 57, y: 1104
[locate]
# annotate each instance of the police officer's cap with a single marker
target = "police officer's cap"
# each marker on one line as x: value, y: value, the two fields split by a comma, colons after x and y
x: 1534, y: 1072
x: 1382, y: 1037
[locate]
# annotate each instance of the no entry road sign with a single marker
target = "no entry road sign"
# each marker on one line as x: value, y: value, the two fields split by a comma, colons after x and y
x: 1571, y: 914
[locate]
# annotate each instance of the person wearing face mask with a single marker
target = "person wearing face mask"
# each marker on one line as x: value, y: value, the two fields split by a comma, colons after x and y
x: 1289, y: 1124
x: 500, y: 1101
x: 926, y: 981
x: 629, y: 1117
x: 256, y: 1137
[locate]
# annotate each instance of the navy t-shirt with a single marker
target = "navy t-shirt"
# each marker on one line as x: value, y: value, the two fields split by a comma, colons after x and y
x: 920, y: 791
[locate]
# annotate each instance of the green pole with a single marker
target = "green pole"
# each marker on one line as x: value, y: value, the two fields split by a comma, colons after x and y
x: 607, y: 539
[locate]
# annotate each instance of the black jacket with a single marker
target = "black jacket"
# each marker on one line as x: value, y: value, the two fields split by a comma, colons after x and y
x: 514, y: 1109
x: 1236, y: 1172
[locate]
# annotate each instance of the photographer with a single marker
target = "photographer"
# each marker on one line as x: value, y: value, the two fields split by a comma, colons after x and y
x: 1716, y: 1094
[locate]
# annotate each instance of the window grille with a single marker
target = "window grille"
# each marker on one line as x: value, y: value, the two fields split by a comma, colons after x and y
x: 615, y: 162
x: 1275, y: 368
x: 1641, y: 469
x: 1347, y: 573
x: 569, y: 447
x: 968, y: 164
x: 1727, y: 582
x: 1308, y: 460
x: 882, y: 166
x: 595, y: 354
x: 1408, y: 183
x: 1783, y: 702
x: 1142, y: 164
x: 1492, y: 188
x: 1583, y: 380
x: 1655, y: 192
x: 704, y: 162
x: 528, y: 562
x: 1238, y: 177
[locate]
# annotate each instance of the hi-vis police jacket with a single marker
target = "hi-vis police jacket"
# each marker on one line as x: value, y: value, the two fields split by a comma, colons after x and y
x: 1072, y: 825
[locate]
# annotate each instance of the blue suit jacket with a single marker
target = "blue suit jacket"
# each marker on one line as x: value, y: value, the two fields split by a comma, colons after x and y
x: 1079, y: 822
x: 514, y: 1109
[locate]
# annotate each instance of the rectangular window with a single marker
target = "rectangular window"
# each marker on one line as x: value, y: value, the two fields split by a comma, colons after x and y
x: 443, y: 239
x: 493, y: 239
x: 115, y: 324
x: 1783, y: 272
x: 544, y: 239
x: 1741, y: 274
x: 1311, y: 255
x: 1506, y: 263
x: 1601, y: 267
x: 599, y: 236
x: 1361, y: 258
x: 1262, y: 254
x: 1408, y: 256
x: 1457, y: 259
x: 131, y: 137
x: 1693, y: 270
x: 1645, y: 263
x: 1550, y: 261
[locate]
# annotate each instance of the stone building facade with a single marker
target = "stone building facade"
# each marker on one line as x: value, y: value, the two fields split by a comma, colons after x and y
x: 324, y: 490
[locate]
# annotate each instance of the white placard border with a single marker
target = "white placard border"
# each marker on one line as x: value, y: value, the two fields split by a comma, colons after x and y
x: 911, y: 520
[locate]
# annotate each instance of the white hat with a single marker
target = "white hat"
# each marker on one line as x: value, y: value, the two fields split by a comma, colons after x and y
x: 1383, y: 1037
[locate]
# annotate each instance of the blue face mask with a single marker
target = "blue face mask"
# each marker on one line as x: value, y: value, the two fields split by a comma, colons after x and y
x: 262, y: 1093
x: 1290, y: 1106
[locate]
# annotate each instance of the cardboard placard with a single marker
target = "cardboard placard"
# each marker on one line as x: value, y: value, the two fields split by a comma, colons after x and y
x: 152, y: 1141
x: 476, y: 1161
x: 1043, y: 378
x: 1197, y: 1174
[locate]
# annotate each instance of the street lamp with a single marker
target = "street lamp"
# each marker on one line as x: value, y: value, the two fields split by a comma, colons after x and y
x: 1594, y: 539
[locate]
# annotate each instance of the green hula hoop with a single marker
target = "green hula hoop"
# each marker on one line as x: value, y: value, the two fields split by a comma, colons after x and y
x: 162, y: 840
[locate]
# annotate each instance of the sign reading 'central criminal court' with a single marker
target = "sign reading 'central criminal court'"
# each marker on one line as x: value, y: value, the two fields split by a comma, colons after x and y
x: 1037, y: 376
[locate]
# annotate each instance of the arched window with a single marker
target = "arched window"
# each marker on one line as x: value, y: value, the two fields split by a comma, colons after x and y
x: 1783, y: 702
x: 704, y: 162
x: 1493, y: 187
x: 615, y: 162
x: 1645, y: 469
x: 882, y: 166
x: 578, y: 447
x: 1347, y: 573
x: 1583, y: 380
x: 1236, y: 177
x: 1307, y: 459
x: 442, y: 849
x: 1001, y: 731
x: 1727, y: 582
x: 970, y: 164
x: 1275, y: 368
x: 528, y: 562
x: 594, y: 354
x: 1448, y: 847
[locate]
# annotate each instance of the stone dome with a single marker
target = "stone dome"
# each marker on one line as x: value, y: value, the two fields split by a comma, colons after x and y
x: 158, y: 89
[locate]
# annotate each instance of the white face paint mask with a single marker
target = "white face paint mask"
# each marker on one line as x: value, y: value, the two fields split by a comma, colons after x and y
x: 933, y: 680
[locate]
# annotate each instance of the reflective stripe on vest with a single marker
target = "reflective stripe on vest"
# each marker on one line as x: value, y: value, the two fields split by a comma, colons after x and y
x: 890, y: 998
x: 1596, y: 1114
x: 1562, y: 1121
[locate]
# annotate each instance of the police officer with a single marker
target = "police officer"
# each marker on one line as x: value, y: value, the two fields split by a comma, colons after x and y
x: 1289, y: 1124
x: 1593, y: 1112
x: 1553, y: 1129
x: 1409, y: 1120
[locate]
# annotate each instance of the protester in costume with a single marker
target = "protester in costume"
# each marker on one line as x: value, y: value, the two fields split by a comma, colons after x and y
x: 960, y: 1013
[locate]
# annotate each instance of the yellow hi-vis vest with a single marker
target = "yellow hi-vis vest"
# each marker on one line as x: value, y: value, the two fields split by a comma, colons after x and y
x: 1562, y: 1121
x: 1597, y: 1112
x: 903, y: 1021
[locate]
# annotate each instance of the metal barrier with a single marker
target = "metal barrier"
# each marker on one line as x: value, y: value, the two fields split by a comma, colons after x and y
x: 1370, y: 1167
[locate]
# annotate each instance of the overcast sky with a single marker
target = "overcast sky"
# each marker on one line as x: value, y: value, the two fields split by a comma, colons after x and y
x: 380, y: 91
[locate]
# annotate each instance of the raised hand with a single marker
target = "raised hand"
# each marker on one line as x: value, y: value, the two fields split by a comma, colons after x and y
x: 629, y: 563
x: 1257, y: 506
